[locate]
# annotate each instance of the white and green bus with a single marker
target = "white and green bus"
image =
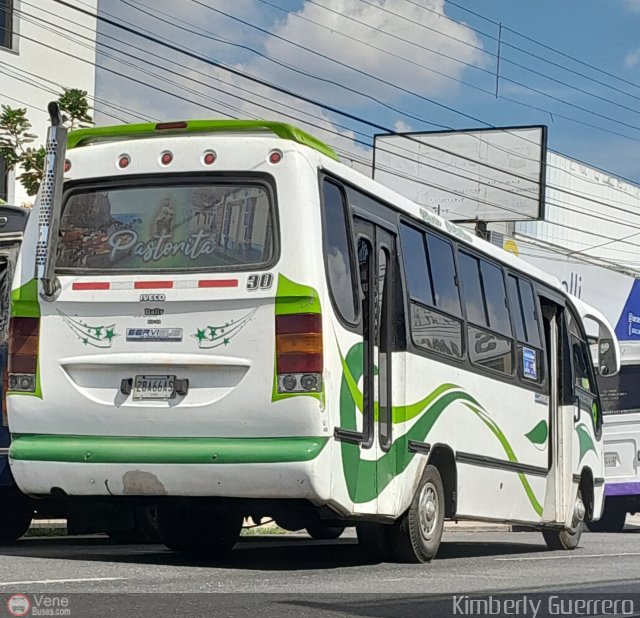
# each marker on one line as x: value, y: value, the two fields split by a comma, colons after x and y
x: 218, y: 319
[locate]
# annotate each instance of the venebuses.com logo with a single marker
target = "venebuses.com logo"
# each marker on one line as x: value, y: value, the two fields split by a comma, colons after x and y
x: 38, y: 605
x: 18, y: 605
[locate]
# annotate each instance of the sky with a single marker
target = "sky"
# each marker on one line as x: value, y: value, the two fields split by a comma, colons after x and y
x: 416, y: 65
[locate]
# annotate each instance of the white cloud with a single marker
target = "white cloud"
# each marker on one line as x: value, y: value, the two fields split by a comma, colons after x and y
x: 389, y: 41
x: 400, y: 126
x: 632, y: 58
x: 633, y: 5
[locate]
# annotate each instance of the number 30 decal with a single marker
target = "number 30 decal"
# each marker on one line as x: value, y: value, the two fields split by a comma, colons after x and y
x: 259, y: 282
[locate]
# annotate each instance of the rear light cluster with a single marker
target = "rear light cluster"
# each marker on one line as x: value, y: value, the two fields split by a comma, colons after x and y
x: 23, y: 354
x: 299, y: 353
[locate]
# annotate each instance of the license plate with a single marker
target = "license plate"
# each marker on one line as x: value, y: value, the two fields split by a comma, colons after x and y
x: 154, y: 387
x: 610, y: 460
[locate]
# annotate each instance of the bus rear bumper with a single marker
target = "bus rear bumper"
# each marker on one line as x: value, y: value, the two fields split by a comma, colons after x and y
x: 184, y: 467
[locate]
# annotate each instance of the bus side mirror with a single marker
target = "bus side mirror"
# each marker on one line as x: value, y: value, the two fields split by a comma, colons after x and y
x: 606, y: 357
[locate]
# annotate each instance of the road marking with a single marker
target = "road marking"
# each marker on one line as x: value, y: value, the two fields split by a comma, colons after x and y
x: 636, y: 553
x: 63, y: 581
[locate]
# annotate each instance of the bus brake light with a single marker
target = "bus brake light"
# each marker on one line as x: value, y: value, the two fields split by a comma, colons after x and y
x: 299, y: 352
x: 23, y: 354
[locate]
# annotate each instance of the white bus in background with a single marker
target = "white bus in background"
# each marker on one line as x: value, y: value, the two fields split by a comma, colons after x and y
x: 221, y: 320
x: 616, y: 294
x: 621, y: 408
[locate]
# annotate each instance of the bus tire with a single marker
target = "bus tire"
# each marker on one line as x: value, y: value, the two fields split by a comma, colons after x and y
x: 415, y: 537
x: 199, y: 530
x: 16, y: 512
x: 567, y: 538
x: 324, y: 533
x: 612, y: 520
x: 374, y: 542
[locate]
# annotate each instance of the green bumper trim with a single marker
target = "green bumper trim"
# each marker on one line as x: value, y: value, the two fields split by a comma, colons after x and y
x: 133, y: 450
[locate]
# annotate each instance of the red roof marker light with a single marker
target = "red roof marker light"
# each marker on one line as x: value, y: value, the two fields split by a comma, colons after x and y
x: 160, y: 126
x: 275, y: 156
x: 209, y: 157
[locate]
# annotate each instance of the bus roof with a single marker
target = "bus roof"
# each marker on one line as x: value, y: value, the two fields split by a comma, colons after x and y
x: 82, y: 137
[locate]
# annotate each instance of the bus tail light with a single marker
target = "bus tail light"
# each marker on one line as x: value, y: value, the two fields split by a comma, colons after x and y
x: 299, y: 353
x: 23, y: 354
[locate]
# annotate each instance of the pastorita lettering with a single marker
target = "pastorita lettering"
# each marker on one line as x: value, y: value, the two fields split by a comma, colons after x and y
x: 161, y: 246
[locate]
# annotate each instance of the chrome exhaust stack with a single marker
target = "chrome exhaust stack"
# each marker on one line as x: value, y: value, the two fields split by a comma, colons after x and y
x: 50, y: 204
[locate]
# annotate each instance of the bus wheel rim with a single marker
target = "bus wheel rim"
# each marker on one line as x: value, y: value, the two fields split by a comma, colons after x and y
x: 428, y: 511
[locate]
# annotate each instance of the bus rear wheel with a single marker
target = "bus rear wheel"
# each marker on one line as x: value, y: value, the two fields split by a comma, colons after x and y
x: 568, y: 538
x: 416, y: 536
x: 199, y: 530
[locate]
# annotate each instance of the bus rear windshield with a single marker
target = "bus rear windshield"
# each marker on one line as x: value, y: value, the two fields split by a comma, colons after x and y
x: 166, y: 227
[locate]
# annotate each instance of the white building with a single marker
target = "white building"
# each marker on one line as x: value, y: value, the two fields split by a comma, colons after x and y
x: 589, y: 212
x: 44, y: 47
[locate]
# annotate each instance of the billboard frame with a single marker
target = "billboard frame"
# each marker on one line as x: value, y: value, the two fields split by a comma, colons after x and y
x: 542, y: 179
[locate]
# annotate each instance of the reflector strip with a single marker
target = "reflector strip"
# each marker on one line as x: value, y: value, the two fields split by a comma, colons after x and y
x: 218, y: 283
x: 152, y: 285
x: 91, y: 285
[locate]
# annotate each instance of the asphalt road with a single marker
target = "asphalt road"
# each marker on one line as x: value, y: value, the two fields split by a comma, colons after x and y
x: 295, y: 576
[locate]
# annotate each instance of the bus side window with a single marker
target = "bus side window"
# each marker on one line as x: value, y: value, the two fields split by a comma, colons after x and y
x: 579, y: 356
x: 489, y: 327
x: 527, y: 329
x: 337, y: 246
x: 434, y: 299
x: 585, y: 387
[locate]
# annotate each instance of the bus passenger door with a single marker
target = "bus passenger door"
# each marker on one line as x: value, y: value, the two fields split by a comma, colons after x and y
x: 558, y: 499
x: 375, y: 251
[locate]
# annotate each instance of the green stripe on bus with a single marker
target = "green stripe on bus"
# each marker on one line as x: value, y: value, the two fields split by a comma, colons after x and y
x: 141, y: 450
x: 294, y: 297
x: 24, y: 301
x: 130, y: 131
x: 367, y: 478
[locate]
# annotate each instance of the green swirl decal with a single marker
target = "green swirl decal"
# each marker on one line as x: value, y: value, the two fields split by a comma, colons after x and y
x: 539, y: 434
x: 585, y: 441
x: 367, y: 478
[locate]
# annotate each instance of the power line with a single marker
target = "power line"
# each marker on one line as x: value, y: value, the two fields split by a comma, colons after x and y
x: 552, y: 49
x: 445, y: 170
x: 267, y: 84
x: 262, y: 30
x: 299, y: 16
x: 347, y: 115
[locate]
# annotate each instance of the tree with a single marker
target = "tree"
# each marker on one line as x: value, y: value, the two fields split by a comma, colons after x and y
x: 16, y: 136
